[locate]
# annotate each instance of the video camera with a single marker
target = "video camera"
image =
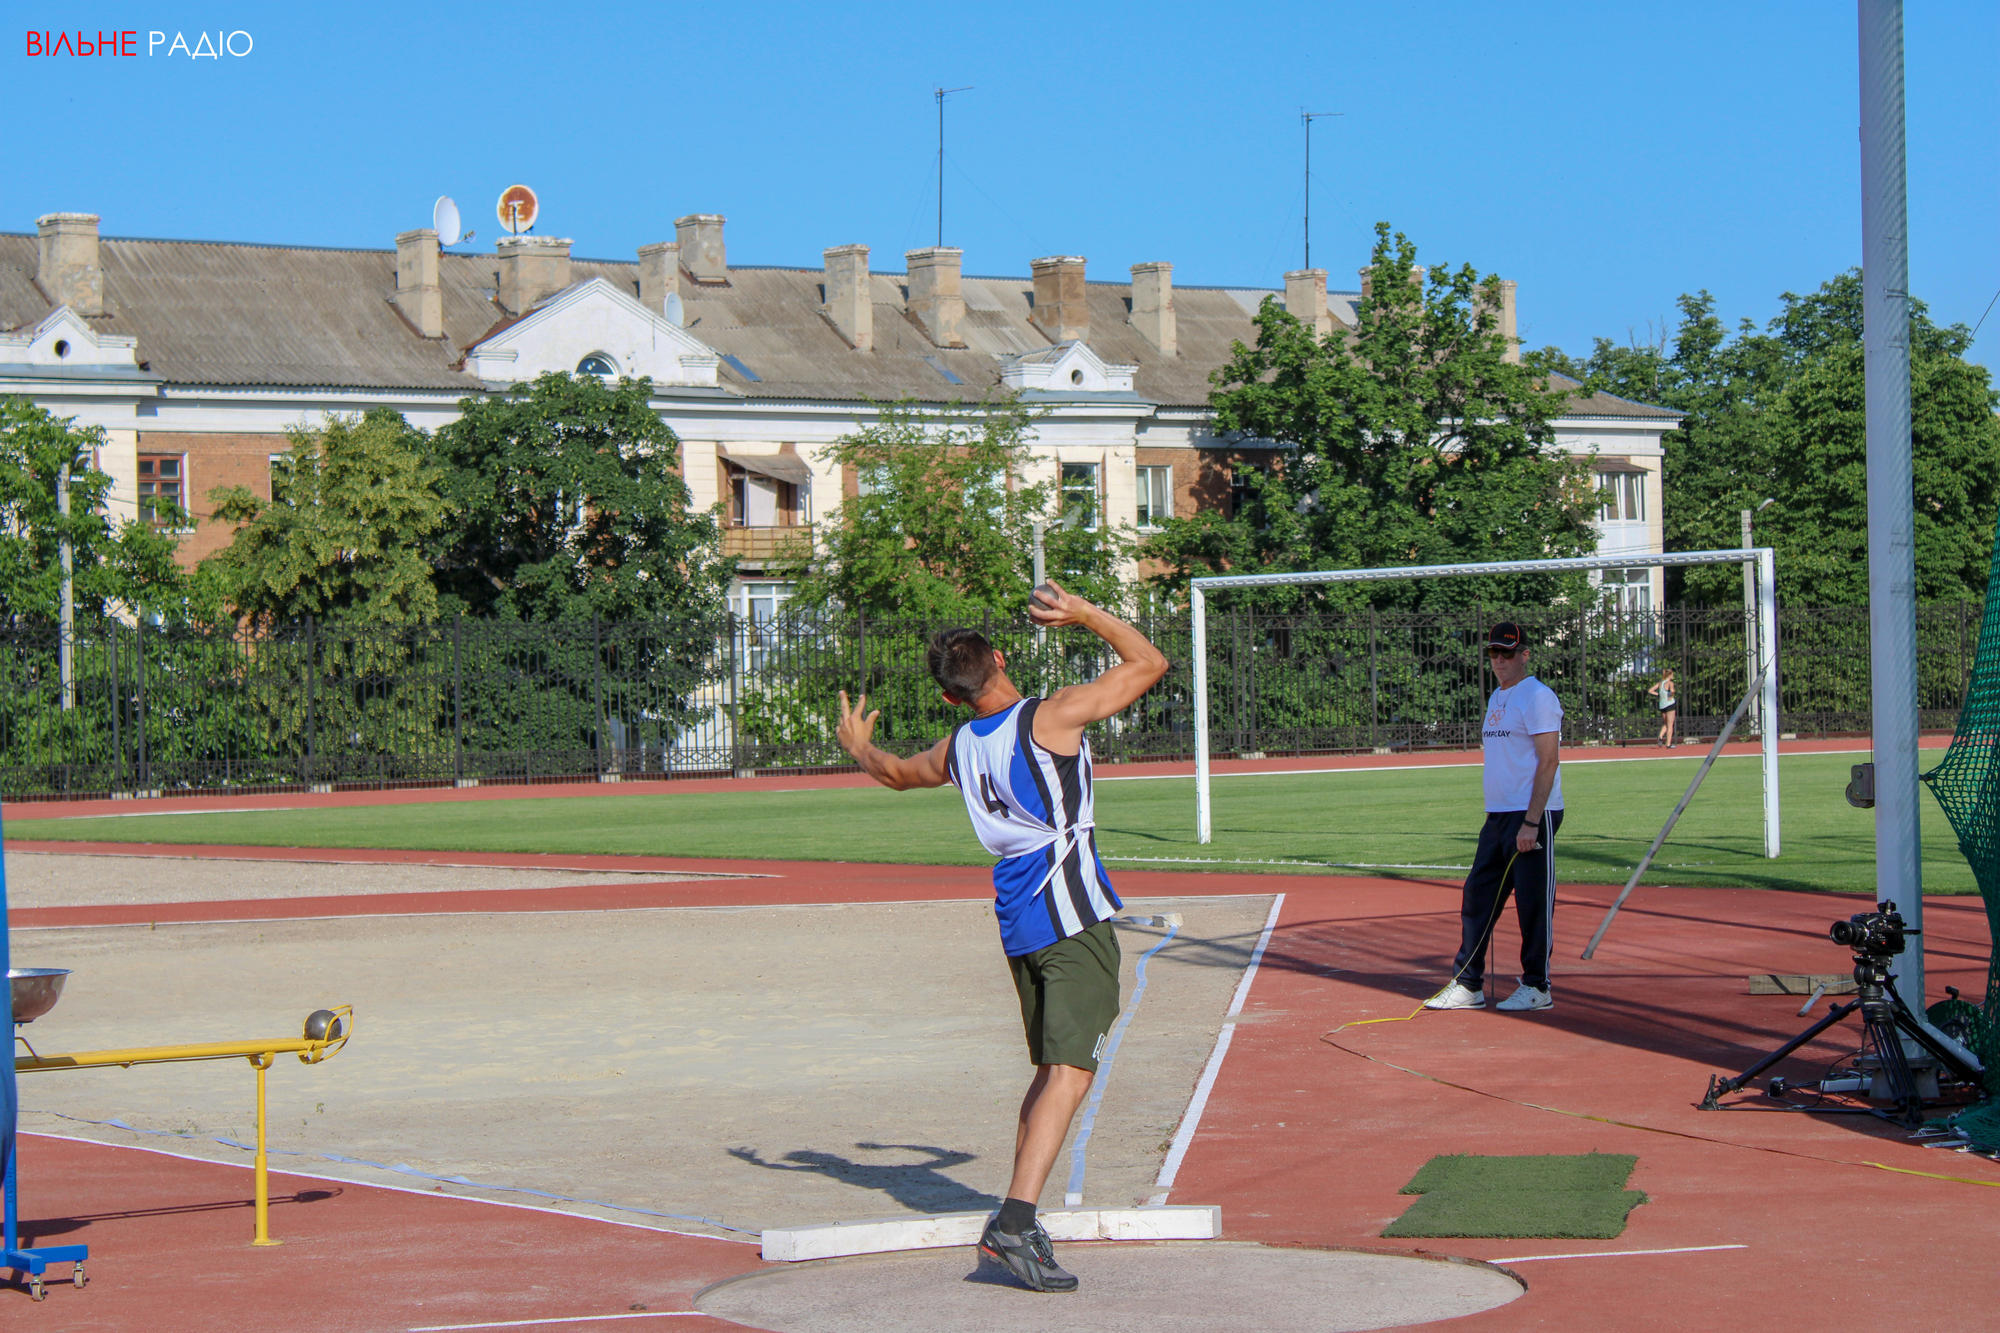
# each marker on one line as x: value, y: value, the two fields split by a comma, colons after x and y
x: 1878, y: 933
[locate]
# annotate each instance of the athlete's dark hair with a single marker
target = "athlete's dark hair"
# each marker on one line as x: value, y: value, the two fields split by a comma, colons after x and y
x: 961, y: 662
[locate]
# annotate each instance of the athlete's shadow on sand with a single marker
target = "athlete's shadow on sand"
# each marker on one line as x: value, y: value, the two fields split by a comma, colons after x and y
x: 920, y: 1186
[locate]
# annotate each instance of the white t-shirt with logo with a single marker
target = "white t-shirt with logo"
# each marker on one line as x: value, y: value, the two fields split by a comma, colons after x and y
x: 1513, y: 717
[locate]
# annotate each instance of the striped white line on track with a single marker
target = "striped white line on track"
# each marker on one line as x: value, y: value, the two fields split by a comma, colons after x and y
x: 1191, y: 1119
x: 1615, y: 1254
x: 543, y: 1323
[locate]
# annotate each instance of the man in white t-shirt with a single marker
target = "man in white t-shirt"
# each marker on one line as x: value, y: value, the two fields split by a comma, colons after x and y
x: 1524, y: 808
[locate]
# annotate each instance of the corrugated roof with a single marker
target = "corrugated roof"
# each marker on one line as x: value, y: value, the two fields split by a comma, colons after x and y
x: 211, y: 313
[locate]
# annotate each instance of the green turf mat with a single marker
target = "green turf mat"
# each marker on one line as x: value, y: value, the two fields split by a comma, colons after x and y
x: 1574, y: 1196
x: 1568, y: 1214
x: 1524, y: 1175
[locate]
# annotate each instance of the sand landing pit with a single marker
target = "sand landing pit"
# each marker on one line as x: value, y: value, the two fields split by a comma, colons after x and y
x: 1197, y: 1286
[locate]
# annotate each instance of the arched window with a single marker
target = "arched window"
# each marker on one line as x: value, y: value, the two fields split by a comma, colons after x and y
x: 597, y: 363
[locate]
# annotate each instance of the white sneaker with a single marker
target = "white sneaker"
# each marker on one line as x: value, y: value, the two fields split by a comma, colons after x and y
x: 1526, y: 997
x: 1457, y: 996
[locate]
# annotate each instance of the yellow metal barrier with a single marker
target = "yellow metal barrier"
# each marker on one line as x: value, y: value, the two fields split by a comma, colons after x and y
x: 326, y: 1031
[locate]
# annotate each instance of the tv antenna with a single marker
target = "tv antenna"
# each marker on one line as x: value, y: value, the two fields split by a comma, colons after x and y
x: 445, y: 219
x: 941, y: 94
x: 518, y: 208
x: 1309, y: 117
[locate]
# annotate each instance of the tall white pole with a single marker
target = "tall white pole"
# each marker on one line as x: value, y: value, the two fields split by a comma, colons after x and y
x: 1198, y: 606
x: 1892, y: 565
x: 1750, y: 621
x: 1767, y: 646
x: 66, y: 666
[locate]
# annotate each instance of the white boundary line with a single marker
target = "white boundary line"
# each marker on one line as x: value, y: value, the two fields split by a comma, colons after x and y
x: 1393, y: 768
x: 572, y: 1319
x: 396, y: 1189
x: 470, y: 911
x: 1191, y: 1118
x: 1614, y: 1254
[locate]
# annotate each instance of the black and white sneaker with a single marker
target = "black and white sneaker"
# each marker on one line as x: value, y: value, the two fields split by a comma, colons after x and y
x: 1030, y: 1257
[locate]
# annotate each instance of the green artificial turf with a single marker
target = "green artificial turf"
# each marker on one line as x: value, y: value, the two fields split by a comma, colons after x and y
x: 1552, y: 1195
x: 1569, y: 1214
x: 1545, y: 1171
x: 1411, y: 821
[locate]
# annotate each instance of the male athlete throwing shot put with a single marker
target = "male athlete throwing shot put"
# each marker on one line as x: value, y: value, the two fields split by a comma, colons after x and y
x: 1023, y: 766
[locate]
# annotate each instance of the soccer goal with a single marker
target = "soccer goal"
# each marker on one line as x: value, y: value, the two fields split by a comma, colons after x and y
x: 1764, y: 647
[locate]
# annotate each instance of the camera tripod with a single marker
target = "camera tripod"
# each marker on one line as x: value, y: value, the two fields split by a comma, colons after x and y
x: 1886, y: 1020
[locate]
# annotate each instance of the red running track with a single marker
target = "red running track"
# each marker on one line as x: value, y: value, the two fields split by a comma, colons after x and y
x: 1301, y: 1142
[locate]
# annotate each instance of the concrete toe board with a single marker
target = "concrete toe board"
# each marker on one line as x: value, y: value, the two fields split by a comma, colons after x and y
x: 1210, y: 1287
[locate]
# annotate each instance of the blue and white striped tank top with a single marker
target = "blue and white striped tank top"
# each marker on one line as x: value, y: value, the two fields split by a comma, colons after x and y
x: 1033, y: 810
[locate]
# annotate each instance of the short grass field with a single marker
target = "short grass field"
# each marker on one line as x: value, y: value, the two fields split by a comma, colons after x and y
x: 1408, y: 821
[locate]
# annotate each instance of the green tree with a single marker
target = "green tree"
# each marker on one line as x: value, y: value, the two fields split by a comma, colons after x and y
x: 942, y: 526
x: 1780, y: 414
x: 353, y: 506
x: 125, y: 565
x: 566, y: 505
x: 1410, y: 439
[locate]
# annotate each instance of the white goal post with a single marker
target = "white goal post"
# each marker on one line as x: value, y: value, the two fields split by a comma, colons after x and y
x: 1765, y: 647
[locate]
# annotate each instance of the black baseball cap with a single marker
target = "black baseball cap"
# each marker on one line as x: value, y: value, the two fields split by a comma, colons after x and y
x: 1506, y: 635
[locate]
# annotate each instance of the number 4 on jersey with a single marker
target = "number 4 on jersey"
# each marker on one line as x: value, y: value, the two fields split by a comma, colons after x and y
x: 991, y: 796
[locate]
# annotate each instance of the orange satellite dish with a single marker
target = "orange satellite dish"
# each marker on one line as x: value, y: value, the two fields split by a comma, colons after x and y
x: 517, y: 209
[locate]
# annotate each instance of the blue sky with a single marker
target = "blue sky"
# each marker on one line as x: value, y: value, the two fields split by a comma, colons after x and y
x: 1607, y: 156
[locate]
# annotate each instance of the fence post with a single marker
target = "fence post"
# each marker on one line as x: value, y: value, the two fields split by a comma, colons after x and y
x: 117, y: 708
x: 1374, y: 685
x: 312, y: 688
x: 457, y: 703
x: 597, y: 690
x: 139, y: 720
x: 1964, y: 658
x: 732, y: 703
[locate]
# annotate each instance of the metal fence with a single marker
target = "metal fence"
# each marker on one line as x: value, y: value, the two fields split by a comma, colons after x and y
x: 323, y: 706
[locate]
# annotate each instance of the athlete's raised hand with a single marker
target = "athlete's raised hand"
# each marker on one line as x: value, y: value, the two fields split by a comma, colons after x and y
x: 857, y: 726
x: 1049, y: 605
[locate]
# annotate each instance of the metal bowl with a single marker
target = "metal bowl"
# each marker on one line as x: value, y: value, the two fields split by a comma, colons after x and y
x: 36, y: 990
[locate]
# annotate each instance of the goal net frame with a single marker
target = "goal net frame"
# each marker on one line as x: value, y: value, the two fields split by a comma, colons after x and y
x: 1764, y: 647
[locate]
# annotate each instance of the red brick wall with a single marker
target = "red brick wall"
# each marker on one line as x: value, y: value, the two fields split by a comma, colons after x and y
x: 212, y: 461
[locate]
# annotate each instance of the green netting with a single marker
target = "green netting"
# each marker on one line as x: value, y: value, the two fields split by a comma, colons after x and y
x: 1967, y: 786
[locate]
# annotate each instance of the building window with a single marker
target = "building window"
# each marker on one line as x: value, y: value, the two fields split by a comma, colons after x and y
x: 1631, y: 590
x: 756, y: 606
x: 1080, y: 497
x: 162, y: 482
x: 1239, y: 487
x: 597, y: 363
x: 1621, y: 497
x: 1156, y: 497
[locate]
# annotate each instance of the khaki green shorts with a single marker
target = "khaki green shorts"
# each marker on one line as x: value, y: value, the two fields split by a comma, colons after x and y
x: 1069, y: 997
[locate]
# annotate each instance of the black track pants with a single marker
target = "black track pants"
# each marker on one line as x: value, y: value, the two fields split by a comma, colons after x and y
x: 1532, y: 879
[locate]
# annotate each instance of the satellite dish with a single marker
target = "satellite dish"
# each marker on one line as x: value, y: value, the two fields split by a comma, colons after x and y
x: 518, y: 207
x: 676, y: 312
x: 444, y: 217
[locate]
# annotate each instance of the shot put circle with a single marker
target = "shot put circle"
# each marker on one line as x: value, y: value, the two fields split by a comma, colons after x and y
x: 1210, y: 1286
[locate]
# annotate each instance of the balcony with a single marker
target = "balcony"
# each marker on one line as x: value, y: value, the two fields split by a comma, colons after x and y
x: 760, y: 546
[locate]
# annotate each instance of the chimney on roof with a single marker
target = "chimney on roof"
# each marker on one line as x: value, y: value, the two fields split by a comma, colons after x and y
x: 1504, y: 320
x: 936, y: 299
x: 659, y: 274
x: 532, y: 269
x: 702, y: 251
x: 1059, y: 310
x: 849, y: 303
x: 1417, y: 272
x: 418, y: 295
x: 69, y: 269
x: 1305, y: 298
x: 1153, y: 305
